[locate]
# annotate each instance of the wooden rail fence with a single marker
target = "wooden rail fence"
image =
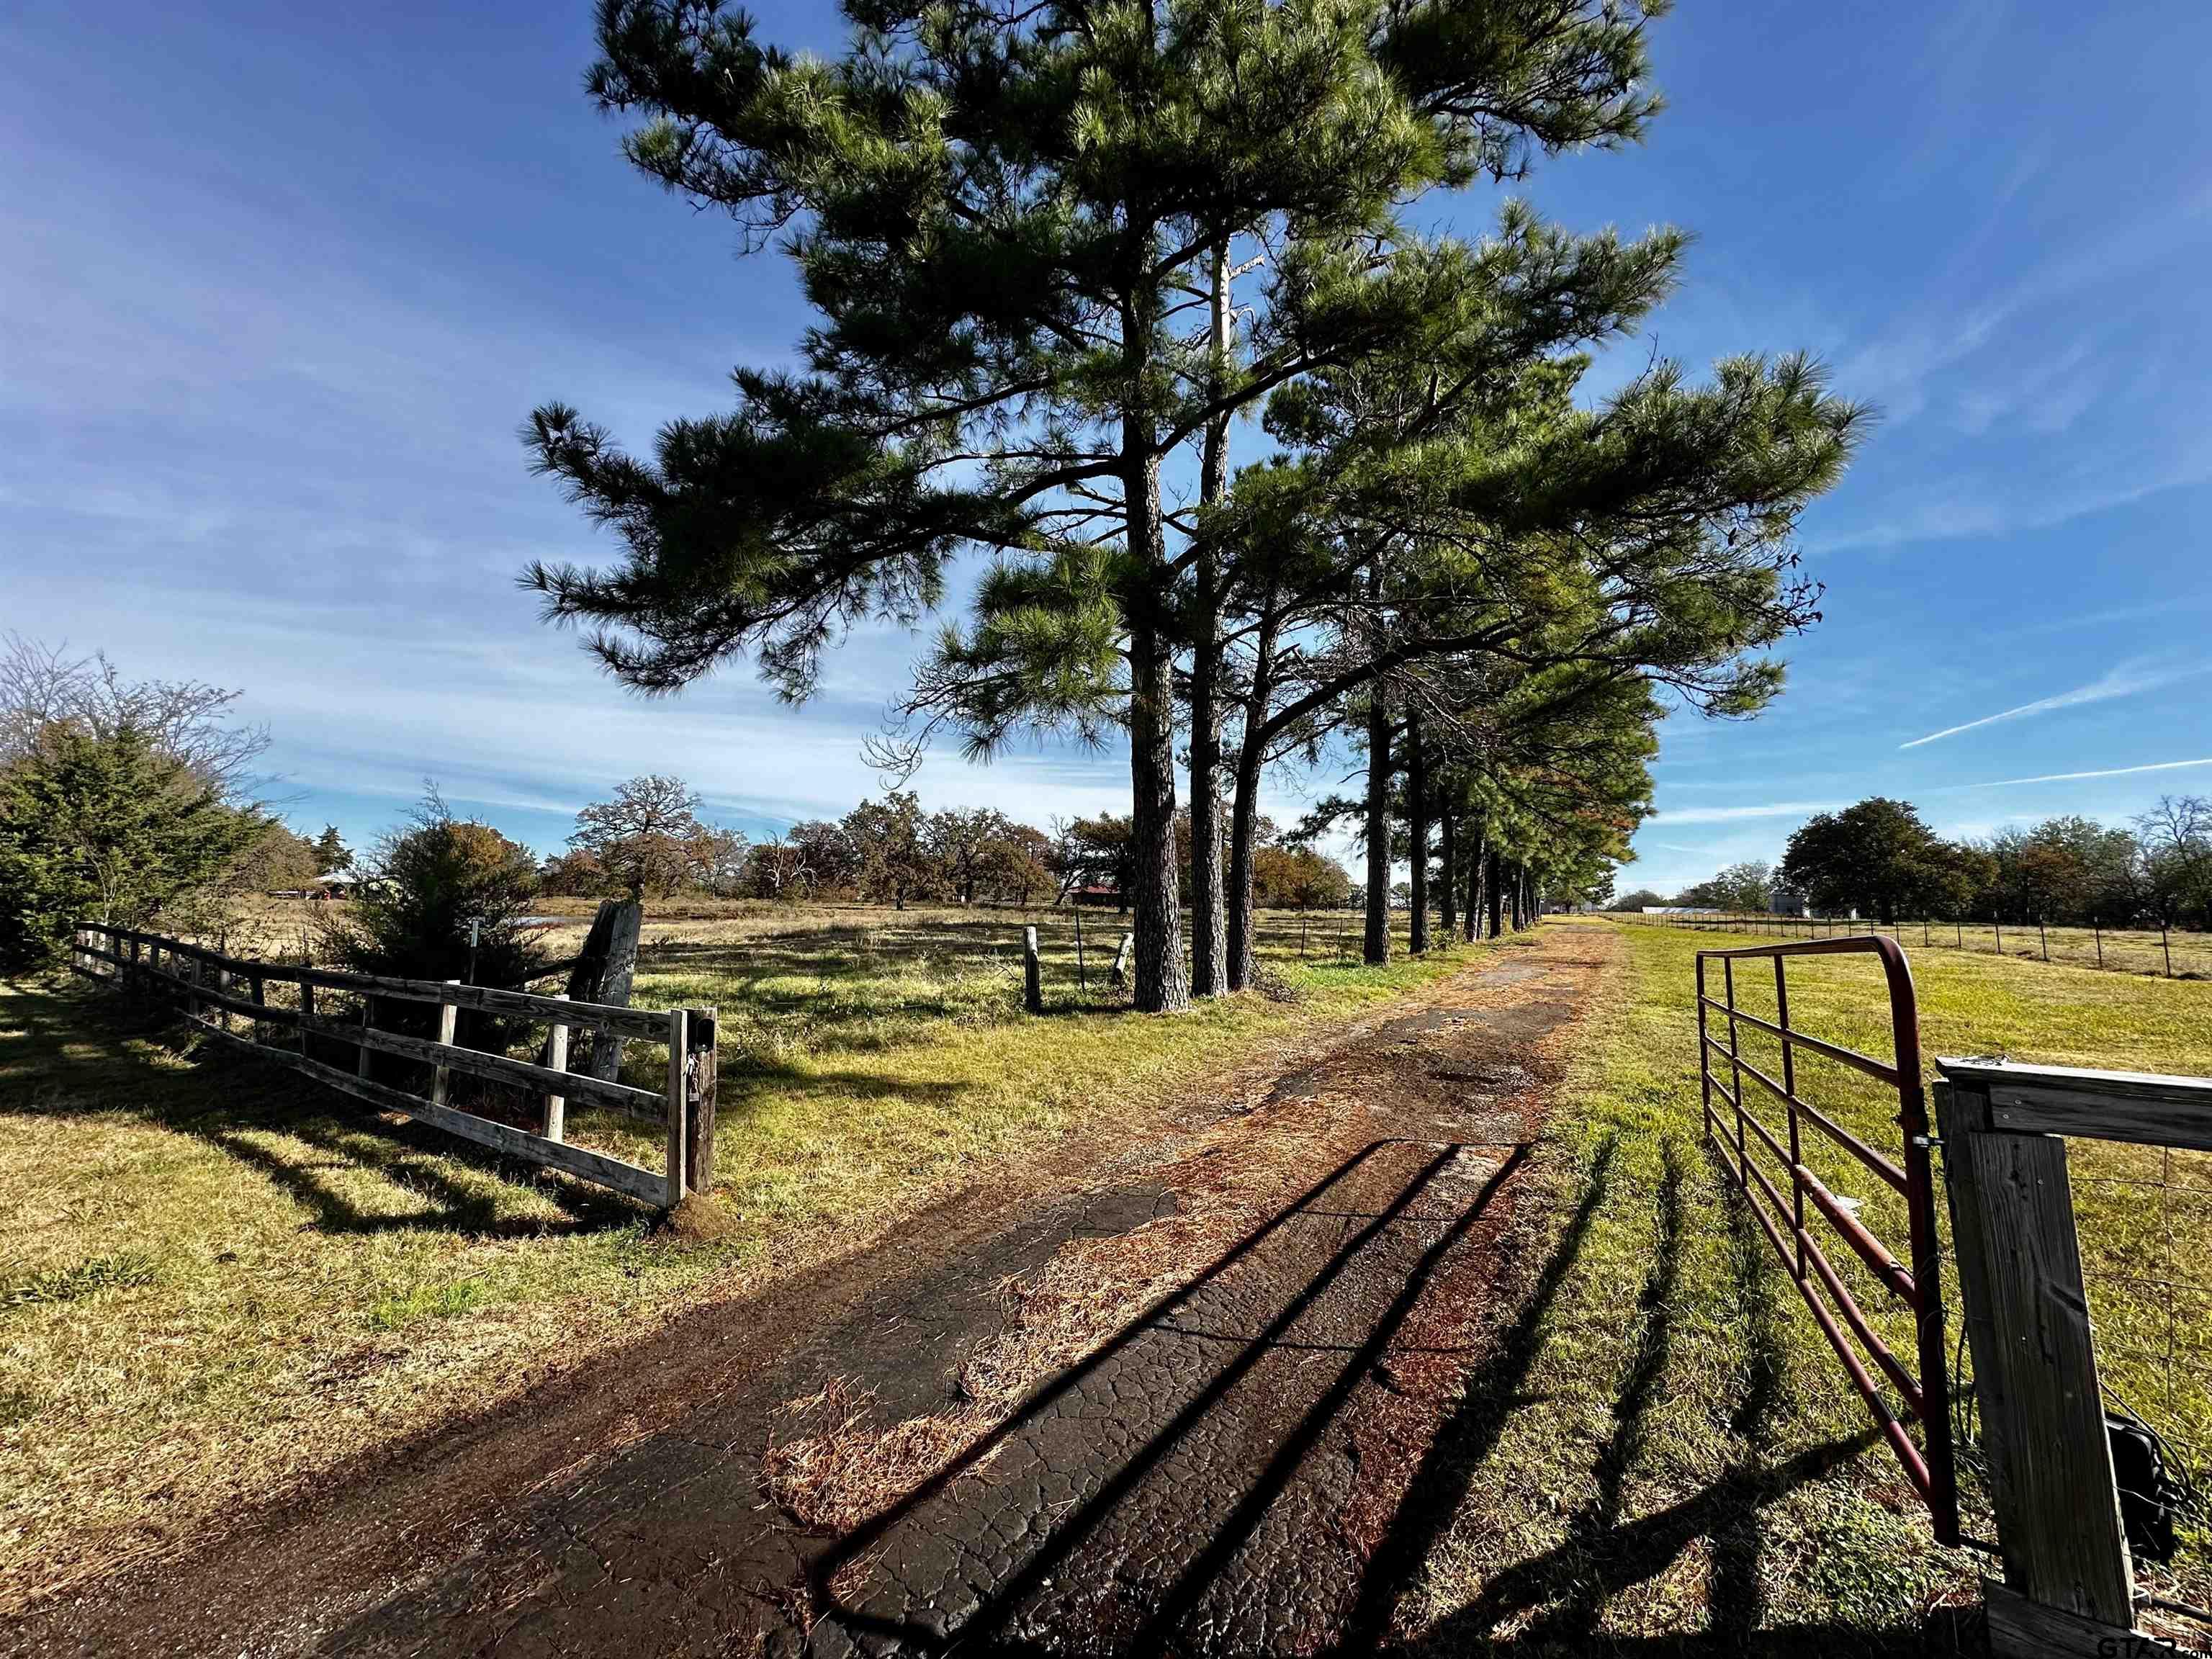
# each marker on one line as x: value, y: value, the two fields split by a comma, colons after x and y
x: 212, y: 988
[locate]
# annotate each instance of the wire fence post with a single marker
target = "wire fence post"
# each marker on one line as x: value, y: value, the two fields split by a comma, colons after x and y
x: 2096, y: 928
x: 2043, y: 938
x: 2166, y: 945
x: 1082, y: 980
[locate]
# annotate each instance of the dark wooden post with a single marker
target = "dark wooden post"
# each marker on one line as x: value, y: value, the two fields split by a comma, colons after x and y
x: 678, y: 1137
x: 2035, y: 1367
x: 701, y: 1067
x: 1032, y: 973
x: 605, y: 973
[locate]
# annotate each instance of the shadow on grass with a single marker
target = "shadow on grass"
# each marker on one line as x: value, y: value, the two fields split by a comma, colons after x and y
x: 1553, y: 1602
x: 84, y: 1052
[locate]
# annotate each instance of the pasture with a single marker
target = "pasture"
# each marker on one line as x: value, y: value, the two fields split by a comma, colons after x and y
x: 1674, y: 1444
x: 2163, y: 953
x: 216, y: 1283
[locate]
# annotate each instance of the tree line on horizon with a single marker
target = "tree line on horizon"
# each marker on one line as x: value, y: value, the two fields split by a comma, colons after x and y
x: 648, y: 842
x: 1879, y: 859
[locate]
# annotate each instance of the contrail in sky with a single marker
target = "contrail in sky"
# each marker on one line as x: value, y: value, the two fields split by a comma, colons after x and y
x: 2068, y: 777
x: 2124, y: 681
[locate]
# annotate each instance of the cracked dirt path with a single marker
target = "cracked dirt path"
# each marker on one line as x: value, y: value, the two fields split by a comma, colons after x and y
x: 1212, y: 1479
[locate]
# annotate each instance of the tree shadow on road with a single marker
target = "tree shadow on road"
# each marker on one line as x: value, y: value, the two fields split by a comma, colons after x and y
x: 1188, y: 1438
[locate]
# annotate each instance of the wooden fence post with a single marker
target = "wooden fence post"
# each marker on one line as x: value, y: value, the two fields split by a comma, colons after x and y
x: 557, y: 1058
x: 1032, y: 973
x: 449, y: 1016
x: 702, y: 1068
x: 613, y: 974
x: 1119, y: 975
x: 2035, y: 1368
x: 367, y: 1018
x: 678, y: 1035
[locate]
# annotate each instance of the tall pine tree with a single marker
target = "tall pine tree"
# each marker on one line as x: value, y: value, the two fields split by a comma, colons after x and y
x: 1007, y: 216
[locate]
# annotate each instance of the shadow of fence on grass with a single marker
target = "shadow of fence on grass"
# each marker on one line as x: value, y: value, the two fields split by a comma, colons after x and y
x: 87, y: 1051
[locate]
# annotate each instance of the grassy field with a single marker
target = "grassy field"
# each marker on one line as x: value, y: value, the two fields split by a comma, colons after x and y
x: 215, y: 1281
x: 2176, y: 954
x: 1663, y: 1445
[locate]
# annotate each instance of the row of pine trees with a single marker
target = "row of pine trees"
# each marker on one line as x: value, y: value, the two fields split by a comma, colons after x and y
x: 1146, y: 310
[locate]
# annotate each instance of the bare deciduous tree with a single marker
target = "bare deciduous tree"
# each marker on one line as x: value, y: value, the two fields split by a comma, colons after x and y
x: 647, y: 837
x: 189, y: 721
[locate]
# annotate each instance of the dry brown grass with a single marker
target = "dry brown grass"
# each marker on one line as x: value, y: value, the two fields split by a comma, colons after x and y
x: 217, y: 1282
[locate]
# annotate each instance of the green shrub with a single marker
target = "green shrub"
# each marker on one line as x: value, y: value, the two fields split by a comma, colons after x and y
x: 107, y: 828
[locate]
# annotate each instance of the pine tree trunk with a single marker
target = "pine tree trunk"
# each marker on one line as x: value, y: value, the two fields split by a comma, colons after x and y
x: 1494, y: 883
x: 1417, y: 831
x: 1376, y: 948
x: 1448, y: 873
x: 1162, y: 985
x: 1209, y: 932
x: 1244, y: 807
x: 1209, y: 926
x: 1473, y: 890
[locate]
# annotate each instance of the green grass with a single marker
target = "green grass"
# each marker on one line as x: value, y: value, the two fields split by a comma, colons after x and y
x: 1663, y: 1446
x: 215, y: 1280
x: 2179, y: 953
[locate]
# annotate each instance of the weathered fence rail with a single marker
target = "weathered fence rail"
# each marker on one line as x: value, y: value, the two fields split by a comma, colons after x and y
x: 2068, y: 1582
x: 211, y: 987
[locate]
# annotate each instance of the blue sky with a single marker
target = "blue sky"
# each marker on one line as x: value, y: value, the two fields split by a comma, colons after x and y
x: 278, y: 284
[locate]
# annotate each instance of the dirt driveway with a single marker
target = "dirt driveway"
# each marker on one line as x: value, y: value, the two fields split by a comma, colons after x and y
x: 1135, y: 1400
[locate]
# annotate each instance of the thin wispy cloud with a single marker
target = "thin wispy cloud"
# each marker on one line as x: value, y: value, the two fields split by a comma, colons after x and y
x: 1773, y: 809
x: 2102, y: 772
x: 2124, y: 681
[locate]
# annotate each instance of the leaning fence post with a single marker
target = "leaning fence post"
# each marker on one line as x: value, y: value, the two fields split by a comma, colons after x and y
x: 2166, y: 945
x: 702, y: 1069
x: 1032, y: 973
x: 368, y: 1016
x: 677, y: 1038
x: 449, y: 1016
x: 1119, y: 976
x: 2035, y: 1367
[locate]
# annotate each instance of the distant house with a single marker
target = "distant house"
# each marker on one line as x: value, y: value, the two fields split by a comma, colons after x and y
x: 1098, y: 893
x: 338, y: 884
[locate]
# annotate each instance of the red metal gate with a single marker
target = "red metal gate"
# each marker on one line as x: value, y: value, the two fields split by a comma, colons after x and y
x: 1925, y: 1397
